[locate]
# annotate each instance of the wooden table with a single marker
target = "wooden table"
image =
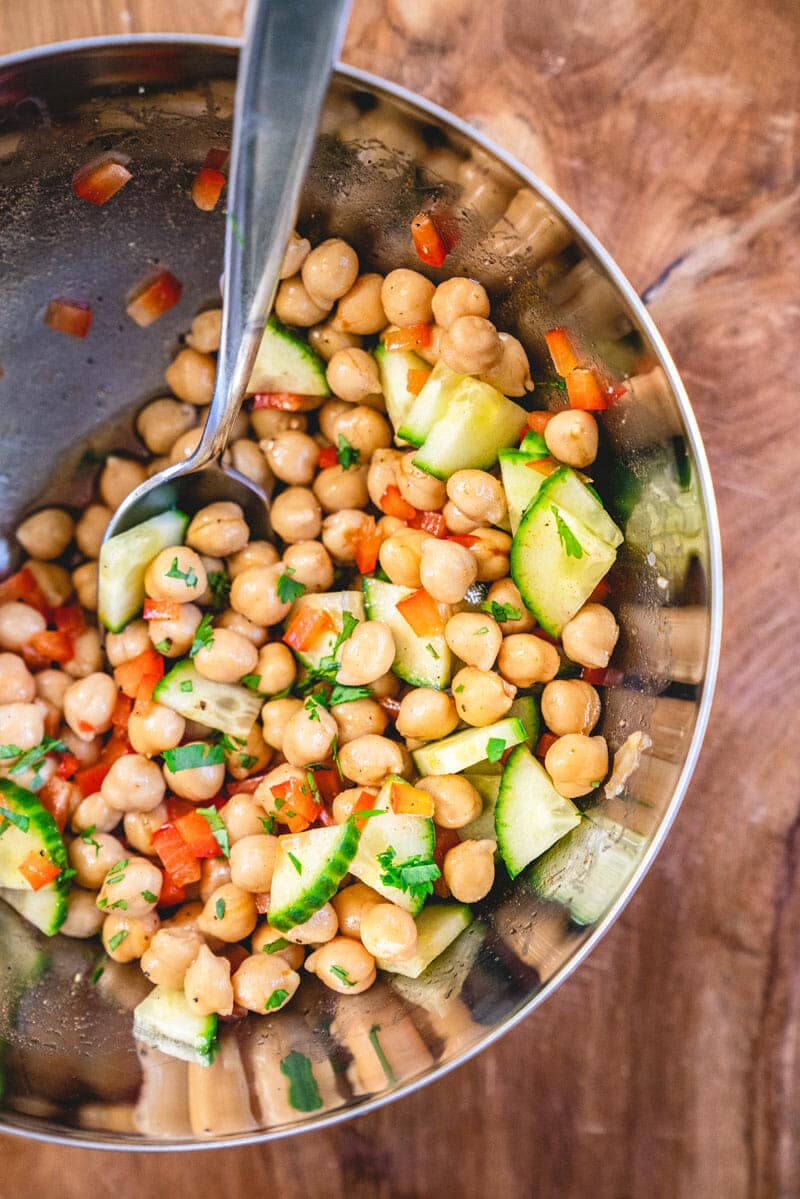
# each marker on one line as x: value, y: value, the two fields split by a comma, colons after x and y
x: 669, y: 1065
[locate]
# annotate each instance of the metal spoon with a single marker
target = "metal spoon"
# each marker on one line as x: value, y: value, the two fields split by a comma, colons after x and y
x: 289, y: 51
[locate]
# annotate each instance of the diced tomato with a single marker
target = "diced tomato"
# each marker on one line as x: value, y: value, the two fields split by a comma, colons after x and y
x: 430, y: 522
x: 409, y: 337
x: 99, y: 180
x: 73, y: 317
x: 171, y: 894
x: 152, y: 297
x: 161, y: 609
x: 544, y: 743
x: 393, y: 504
x: 328, y: 783
x: 69, y: 619
x: 177, y: 857
x: 67, y: 766
x: 262, y: 902
x: 121, y: 713
x: 306, y: 626
x: 465, y: 539
x: 138, y: 676
x: 207, y: 188
x: 421, y: 612
x: 538, y: 421
x: 90, y: 779
x: 585, y: 392
x: 416, y: 379
x: 602, y: 676
x: 52, y: 645
x: 196, y: 832
x: 600, y: 593
x: 285, y: 401
x: 429, y: 244
x: 561, y: 351
x: 328, y: 457
x: 177, y: 807
x: 367, y: 544
x: 56, y: 796
x: 23, y: 587
x: 411, y: 801
x: 38, y: 870
x: 446, y: 839
x: 299, y: 805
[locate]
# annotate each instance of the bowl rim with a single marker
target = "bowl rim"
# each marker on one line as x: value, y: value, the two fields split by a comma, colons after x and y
x: 376, y: 83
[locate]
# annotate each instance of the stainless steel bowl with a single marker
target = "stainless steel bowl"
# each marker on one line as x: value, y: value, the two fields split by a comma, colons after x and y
x: 69, y: 1069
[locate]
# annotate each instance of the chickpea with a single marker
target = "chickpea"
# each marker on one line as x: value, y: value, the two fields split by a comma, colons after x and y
x: 340, y: 531
x: 266, y: 936
x: 242, y: 761
x: 53, y: 581
x: 90, y: 529
x: 161, y: 422
x: 18, y: 623
x: 344, y: 965
x: 207, y: 984
x: 382, y: 473
x: 459, y: 297
x: 119, y: 477
x: 330, y: 415
x: 506, y: 593
x: 577, y: 764
x: 198, y: 782
x: 156, y: 465
x: 337, y: 488
x: 446, y: 570
x: 275, y: 668
x: 89, y: 704
x: 52, y: 686
x: 242, y: 817
x: 388, y: 932
x: 140, y: 826
x: 92, y: 856
x: 431, y: 353
x: 426, y: 715
x: 133, y: 784
x: 132, y: 641
x: 296, y: 515
x: 84, y: 580
x: 214, y: 873
x: 357, y: 718
x: 353, y: 375
x: 525, y: 660
x: 206, y: 331
x: 327, y: 341
x: 185, y: 917
x: 407, y: 298
x: 264, y: 983
x: 152, y: 728
x: 126, y: 937
x: 177, y: 573
x: 360, y: 309
x: 267, y: 423
x: 570, y: 706
x: 255, y: 553
x: 367, y: 654
x: 470, y: 345
x: 133, y: 885
x: 456, y: 521
x: 246, y: 457
x: 83, y: 919
x: 478, y: 495
x: 240, y: 624
x: 21, y: 725
x: 16, y: 681
x: 346, y: 803
x: 417, y: 487
x: 227, y: 657
x: 295, y: 306
x: 93, y: 813
x: 469, y: 870
x: 352, y: 904
x: 491, y: 551
x: 46, y: 534
x: 386, y: 687
x: 218, y: 529
x: 87, y: 654
x: 511, y: 374
x: 367, y: 760
x: 175, y: 636
x: 253, y: 862
x: 475, y: 638
x: 308, y: 736
x: 169, y: 955
x: 455, y: 801
x: 229, y: 914
x: 365, y: 429
x: 481, y: 696
x: 400, y: 556
x: 275, y: 715
x: 322, y: 926
x: 330, y: 270
x: 572, y: 437
x: 589, y: 638
x: 184, y: 446
x: 191, y: 377
x: 87, y: 752
x: 297, y: 250
x: 293, y: 456
x: 255, y: 594
x: 310, y: 565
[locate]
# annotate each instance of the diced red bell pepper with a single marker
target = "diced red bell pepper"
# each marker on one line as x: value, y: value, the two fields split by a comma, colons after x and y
x: 416, y: 379
x: 207, y: 188
x: 177, y: 857
x: 328, y: 783
x: 22, y: 587
x: 538, y: 421
x: 393, y: 504
x: 607, y: 676
x: 161, y: 609
x: 409, y: 337
x: 298, y: 807
x: 216, y: 158
x: 196, y: 832
x: 90, y: 779
x: 446, y: 839
x: 73, y: 317
x: 585, y: 392
x: 411, y: 801
x: 38, y: 870
x: 421, y: 612
x: 67, y: 766
x: 284, y: 401
x: 152, y: 297
x: 306, y: 627
x: 544, y: 743
x: 52, y: 645
x: 138, y: 676
x: 542, y: 466
x: 329, y: 456
x: 430, y: 522
x: 99, y: 180
x: 364, y: 803
x: 56, y: 796
x: 177, y: 807
x: 465, y: 539
x: 561, y: 351
x: 69, y: 619
x: 170, y: 894
x: 367, y: 544
x: 429, y: 244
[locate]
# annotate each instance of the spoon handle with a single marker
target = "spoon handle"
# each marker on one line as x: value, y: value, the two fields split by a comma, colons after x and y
x: 290, y: 48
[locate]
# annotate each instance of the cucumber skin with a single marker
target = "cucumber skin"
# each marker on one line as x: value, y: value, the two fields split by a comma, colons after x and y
x: 168, y: 693
x: 325, y: 884
x: 389, y: 362
x: 45, y: 832
x: 156, y: 1016
x: 377, y: 598
x: 512, y: 798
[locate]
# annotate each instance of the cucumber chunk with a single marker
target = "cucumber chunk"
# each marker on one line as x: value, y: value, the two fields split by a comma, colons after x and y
x: 393, y: 368
x: 124, y: 560
x: 45, y: 910
x: 530, y: 815
x: 429, y: 405
x: 460, y: 750
x: 553, y: 582
x: 570, y: 494
x: 526, y: 707
x: 476, y: 424
x: 335, y: 603
x: 588, y: 868
x: 520, y: 483
x: 409, y: 837
x: 443, y: 980
x: 482, y: 827
x: 300, y: 887
x: 166, y: 1020
x: 224, y: 706
x: 423, y: 661
x: 285, y: 362
x: 29, y: 828
x: 437, y: 927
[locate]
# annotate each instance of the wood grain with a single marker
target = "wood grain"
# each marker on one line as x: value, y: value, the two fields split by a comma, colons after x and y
x: 668, y: 1065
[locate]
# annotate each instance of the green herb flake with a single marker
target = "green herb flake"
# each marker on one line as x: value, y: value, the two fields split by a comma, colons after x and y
x: 342, y: 975
x: 191, y: 757
x: 381, y: 1056
x: 97, y: 973
x: 432, y: 651
x: 18, y: 819
x: 121, y: 905
x: 88, y: 838
x: 189, y: 576
x: 459, y: 688
x: 364, y: 815
x: 277, y: 945
x: 217, y: 826
x: 288, y: 590
x: 149, y: 897
x: 572, y: 547
x: 416, y: 875
x: 31, y: 759
x: 298, y: 865
x: 501, y: 612
x: 311, y: 707
x: 304, y: 1093
x: 102, y: 903
x: 346, y: 695
x: 204, y: 635
x: 117, y: 939
x: 164, y: 647
x: 220, y: 586
x: 187, y: 685
x: 247, y: 761
x: 219, y: 908
x: 276, y: 999
x: 495, y: 748
x: 117, y: 870
x: 268, y: 824
x: 335, y: 757
x: 347, y: 454
x: 251, y: 681
x: 478, y: 632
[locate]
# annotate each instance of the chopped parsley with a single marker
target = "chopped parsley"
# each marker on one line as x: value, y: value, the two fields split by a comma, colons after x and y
x: 298, y: 865
x: 277, y: 945
x: 251, y: 681
x: 97, y: 973
x: 459, y: 688
x: 187, y: 685
x: 220, y: 586
x: 335, y: 757
x: 217, y: 826
x: 117, y: 939
x: 311, y: 705
x: 19, y: 819
x: 88, y: 837
x: 275, y: 1000
x: 304, y: 1093
x: 572, y: 547
x: 268, y: 824
x: 346, y: 695
x: 495, y: 748
x: 149, y: 897
x: 361, y: 815
x: 31, y: 759
x: 381, y: 1056
x: 163, y: 647
x: 432, y: 651
x: 416, y: 875
x: 219, y: 908
x: 342, y: 975
x: 288, y: 590
x: 191, y: 757
x: 347, y: 454
x: 501, y: 612
x: 189, y: 576
x: 122, y: 904
x: 117, y: 871
x: 478, y: 632
x: 313, y: 788
x: 204, y: 635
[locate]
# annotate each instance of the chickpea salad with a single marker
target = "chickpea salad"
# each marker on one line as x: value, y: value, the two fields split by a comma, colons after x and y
x: 239, y: 762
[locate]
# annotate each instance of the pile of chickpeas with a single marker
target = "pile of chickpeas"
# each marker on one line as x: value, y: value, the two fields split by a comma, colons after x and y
x: 213, y: 945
